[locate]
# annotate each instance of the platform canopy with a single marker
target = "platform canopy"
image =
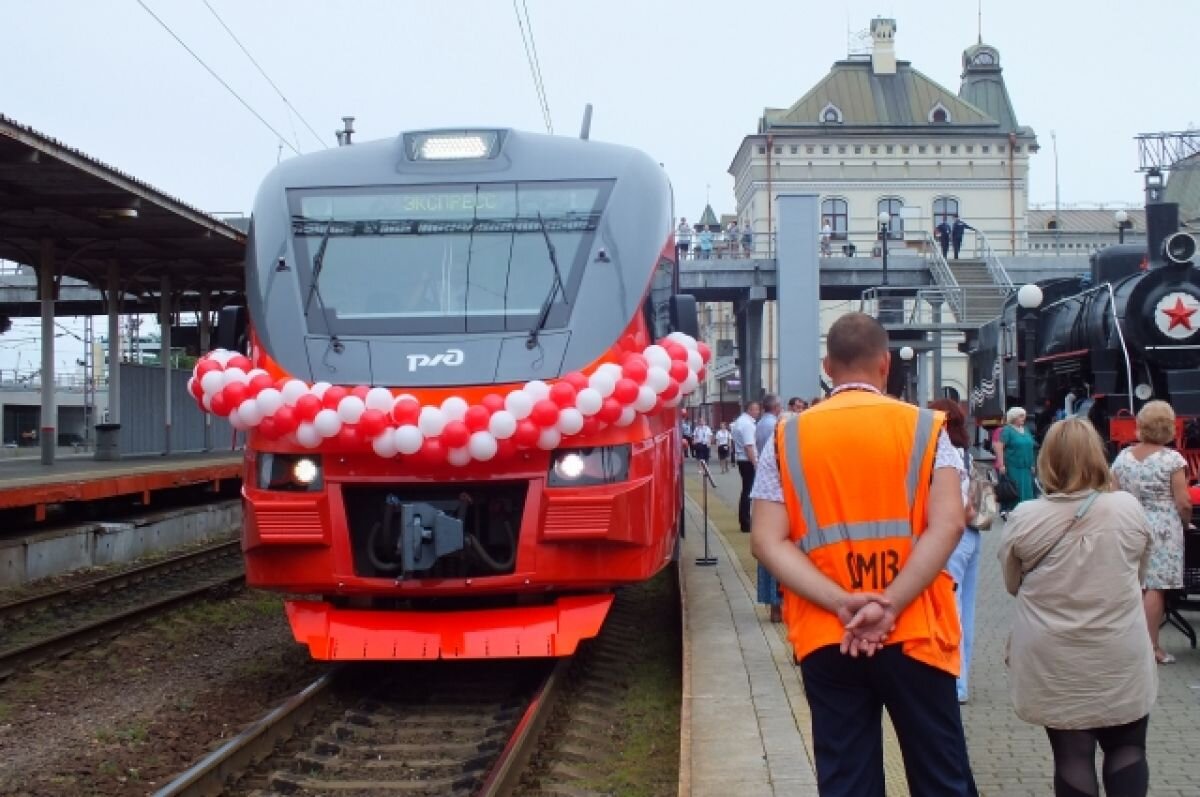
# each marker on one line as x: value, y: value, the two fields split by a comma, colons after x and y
x: 60, y: 206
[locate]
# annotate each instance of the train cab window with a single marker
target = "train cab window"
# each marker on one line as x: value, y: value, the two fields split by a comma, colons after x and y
x: 444, y: 258
x: 658, y: 308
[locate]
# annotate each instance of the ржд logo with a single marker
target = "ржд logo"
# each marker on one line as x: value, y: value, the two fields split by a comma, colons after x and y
x: 450, y: 357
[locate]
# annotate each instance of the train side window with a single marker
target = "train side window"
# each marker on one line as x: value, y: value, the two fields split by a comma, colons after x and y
x: 658, y: 317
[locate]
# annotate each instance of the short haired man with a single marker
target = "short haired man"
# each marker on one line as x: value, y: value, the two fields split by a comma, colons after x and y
x: 745, y: 456
x: 842, y: 497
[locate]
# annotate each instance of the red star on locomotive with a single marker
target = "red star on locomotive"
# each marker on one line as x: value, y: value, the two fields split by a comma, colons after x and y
x: 1180, y: 315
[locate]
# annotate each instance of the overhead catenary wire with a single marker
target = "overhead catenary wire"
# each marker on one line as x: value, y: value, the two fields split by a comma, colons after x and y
x: 266, y: 77
x: 217, y: 77
x: 534, y: 68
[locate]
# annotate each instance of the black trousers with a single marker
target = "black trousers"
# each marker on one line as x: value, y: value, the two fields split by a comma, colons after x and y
x: 701, y: 451
x: 945, y: 243
x: 746, y: 469
x: 957, y: 245
x: 847, y: 697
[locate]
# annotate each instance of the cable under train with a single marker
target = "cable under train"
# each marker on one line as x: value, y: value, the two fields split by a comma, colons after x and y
x: 1104, y: 343
x: 458, y: 373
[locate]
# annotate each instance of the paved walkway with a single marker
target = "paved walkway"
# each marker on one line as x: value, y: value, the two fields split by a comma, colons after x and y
x: 1009, y: 757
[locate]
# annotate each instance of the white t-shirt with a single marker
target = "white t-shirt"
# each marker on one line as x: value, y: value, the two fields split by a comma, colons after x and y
x: 743, y: 435
x: 702, y: 435
x: 722, y: 437
x: 683, y: 234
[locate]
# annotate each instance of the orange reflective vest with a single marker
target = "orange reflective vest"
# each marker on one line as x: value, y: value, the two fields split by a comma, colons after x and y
x: 856, y: 472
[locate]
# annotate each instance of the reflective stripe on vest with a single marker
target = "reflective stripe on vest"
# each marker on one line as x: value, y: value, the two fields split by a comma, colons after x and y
x: 816, y: 536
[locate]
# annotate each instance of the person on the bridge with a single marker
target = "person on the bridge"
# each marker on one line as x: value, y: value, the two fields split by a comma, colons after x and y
x: 1079, y: 661
x: 733, y: 237
x: 858, y: 505
x: 942, y: 234
x: 745, y: 456
x: 683, y: 239
x: 747, y: 237
x: 956, y: 235
x: 826, y: 238
x: 705, y: 242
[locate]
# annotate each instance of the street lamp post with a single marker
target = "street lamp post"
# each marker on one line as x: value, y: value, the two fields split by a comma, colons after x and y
x: 1029, y: 298
x: 906, y: 355
x: 884, y: 221
x: 1123, y: 223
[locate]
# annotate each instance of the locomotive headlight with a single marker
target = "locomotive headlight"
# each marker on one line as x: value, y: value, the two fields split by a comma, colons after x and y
x: 578, y: 467
x: 1143, y: 391
x: 461, y: 145
x: 289, y: 473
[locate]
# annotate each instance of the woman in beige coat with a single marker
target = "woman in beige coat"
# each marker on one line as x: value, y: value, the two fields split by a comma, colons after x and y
x: 1079, y: 662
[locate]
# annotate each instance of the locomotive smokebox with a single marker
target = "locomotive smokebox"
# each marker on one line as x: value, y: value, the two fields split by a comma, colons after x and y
x: 1179, y: 248
x: 1162, y: 221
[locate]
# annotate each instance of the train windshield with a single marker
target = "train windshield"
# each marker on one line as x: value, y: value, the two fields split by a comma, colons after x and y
x: 442, y: 258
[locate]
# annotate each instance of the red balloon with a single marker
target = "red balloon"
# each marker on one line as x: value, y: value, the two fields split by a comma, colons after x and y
x: 307, y: 407
x: 635, y: 368
x: 576, y: 380
x: 679, y: 370
x: 455, y: 434
x: 219, y: 405
x: 348, y: 437
x: 545, y: 413
x: 281, y: 381
x: 610, y: 411
x: 527, y: 433
x: 240, y: 361
x: 676, y: 351
x: 268, y: 428
x: 670, y: 392
x: 591, y: 425
x: 493, y: 402
x: 235, y: 393
x: 626, y: 391
x: 259, y: 383
x: 205, y: 365
x: 285, y: 420
x: 371, y: 424
x: 705, y: 351
x: 477, y: 418
x: 333, y: 396
x: 700, y: 374
x: 432, y: 451
x: 406, y: 411
x: 563, y: 394
x: 361, y: 391
x: 197, y: 389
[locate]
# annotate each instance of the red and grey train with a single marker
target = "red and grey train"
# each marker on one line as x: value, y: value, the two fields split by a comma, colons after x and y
x: 1105, y: 342
x: 458, y: 372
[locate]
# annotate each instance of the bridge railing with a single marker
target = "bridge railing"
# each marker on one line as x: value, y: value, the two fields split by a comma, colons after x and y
x: 925, y: 306
x: 985, y: 252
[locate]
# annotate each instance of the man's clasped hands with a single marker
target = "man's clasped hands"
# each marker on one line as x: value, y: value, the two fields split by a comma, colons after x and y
x: 868, y: 618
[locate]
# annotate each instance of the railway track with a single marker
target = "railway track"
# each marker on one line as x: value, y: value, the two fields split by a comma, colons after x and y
x: 55, y: 623
x: 444, y: 728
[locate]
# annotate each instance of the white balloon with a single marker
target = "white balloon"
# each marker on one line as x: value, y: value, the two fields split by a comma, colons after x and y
x: 235, y: 375
x: 482, y: 446
x: 538, y: 389
x: 403, y: 396
x: 694, y: 361
x: 646, y: 399
x: 250, y: 413
x: 319, y: 389
x: 454, y: 408
x: 549, y: 439
x: 269, y: 399
x: 458, y: 457
x: 384, y: 445
x: 689, y: 384
x: 350, y: 409
x: 235, y: 420
x: 589, y: 401
x: 191, y: 384
x: 689, y: 342
x: 502, y: 424
x: 408, y: 439
x: 611, y: 370
x: 207, y: 401
x: 292, y: 391
x: 657, y: 356
x: 603, y: 384
x: 222, y: 356
x: 628, y: 416
x: 657, y: 379
x: 308, y: 436
x: 253, y: 372
x: 519, y: 404
x: 212, y: 382
x: 379, y: 398
x: 570, y: 421
x: 431, y: 421
x: 327, y: 423
x: 672, y: 403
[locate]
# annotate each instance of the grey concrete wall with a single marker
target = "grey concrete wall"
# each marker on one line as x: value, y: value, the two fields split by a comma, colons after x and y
x: 143, y: 428
x: 799, y: 289
x: 53, y: 553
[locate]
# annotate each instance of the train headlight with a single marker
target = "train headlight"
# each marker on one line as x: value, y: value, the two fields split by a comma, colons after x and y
x: 457, y: 145
x: 290, y: 473
x: 1179, y: 248
x: 1143, y: 391
x: 579, y: 467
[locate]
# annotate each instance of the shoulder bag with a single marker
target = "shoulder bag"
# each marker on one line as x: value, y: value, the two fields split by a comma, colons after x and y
x: 982, y: 497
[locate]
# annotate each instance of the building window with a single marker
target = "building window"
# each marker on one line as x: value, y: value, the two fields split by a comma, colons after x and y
x: 986, y: 148
x: 810, y: 149
x: 954, y: 149
x: 921, y: 149
x: 945, y: 208
x: 1052, y: 224
x: 1017, y: 148
x: 874, y: 149
x: 841, y: 149
x: 825, y: 150
x: 890, y: 149
x: 906, y: 149
x: 937, y: 149
x: 795, y: 149
x: 970, y: 148
x: 836, y: 211
x: 831, y: 115
x: 858, y: 149
x: 1000, y: 148
x: 762, y: 150
x: 892, y: 206
x: 779, y: 150
x: 939, y: 114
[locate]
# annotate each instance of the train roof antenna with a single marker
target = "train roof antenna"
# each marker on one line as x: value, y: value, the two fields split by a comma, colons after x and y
x: 586, y: 130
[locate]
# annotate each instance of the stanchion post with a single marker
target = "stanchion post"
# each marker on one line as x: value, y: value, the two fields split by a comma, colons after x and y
x: 706, y: 479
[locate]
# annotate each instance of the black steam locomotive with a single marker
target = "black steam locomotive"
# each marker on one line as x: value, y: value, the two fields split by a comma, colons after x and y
x: 1102, y: 344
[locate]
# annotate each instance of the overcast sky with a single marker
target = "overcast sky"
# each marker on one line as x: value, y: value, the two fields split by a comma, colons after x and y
x: 682, y: 81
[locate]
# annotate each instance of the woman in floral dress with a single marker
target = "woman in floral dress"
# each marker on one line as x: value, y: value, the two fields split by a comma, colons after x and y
x: 1157, y: 476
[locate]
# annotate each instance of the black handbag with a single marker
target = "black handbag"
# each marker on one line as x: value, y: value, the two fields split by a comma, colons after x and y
x: 1006, y: 490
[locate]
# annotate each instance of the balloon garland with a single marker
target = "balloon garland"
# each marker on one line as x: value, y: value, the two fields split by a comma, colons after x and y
x: 536, y: 415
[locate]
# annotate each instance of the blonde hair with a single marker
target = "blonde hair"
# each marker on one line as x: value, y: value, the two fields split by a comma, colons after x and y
x: 1072, y: 458
x: 1156, y: 423
x: 1014, y: 413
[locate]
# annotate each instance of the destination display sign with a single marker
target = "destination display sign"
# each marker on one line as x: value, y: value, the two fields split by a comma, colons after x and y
x: 455, y: 202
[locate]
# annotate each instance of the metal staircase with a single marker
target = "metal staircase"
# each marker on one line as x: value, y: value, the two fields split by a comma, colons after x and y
x: 982, y: 298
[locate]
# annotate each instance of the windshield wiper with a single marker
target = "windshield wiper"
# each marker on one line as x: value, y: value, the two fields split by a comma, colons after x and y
x: 555, y: 287
x: 318, y: 263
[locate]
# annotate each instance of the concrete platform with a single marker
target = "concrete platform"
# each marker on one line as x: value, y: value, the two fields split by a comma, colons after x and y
x: 26, y: 483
